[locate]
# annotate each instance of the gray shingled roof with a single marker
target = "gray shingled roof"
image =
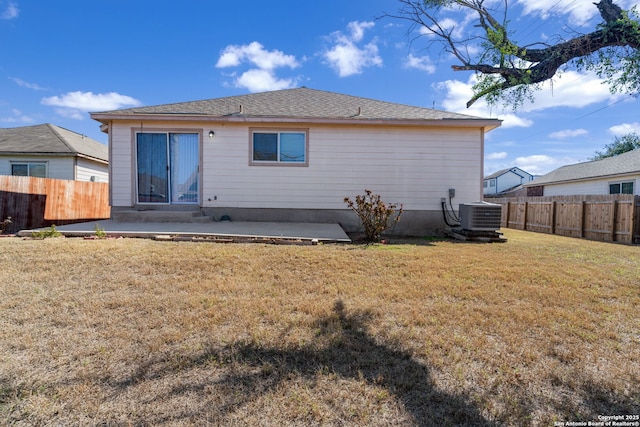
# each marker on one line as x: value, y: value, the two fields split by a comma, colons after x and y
x: 52, y: 140
x: 626, y: 163
x: 297, y: 103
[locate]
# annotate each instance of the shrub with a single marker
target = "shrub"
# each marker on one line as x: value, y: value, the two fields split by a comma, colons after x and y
x: 47, y: 232
x: 376, y: 216
x: 4, y: 224
x: 100, y: 233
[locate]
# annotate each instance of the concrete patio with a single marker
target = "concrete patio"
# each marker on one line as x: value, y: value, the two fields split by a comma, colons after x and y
x: 282, y: 231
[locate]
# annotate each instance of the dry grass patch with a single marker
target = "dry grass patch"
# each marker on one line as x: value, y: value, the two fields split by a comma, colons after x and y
x: 120, y: 332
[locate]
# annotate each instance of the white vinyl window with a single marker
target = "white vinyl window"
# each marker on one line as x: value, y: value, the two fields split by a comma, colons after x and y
x: 37, y: 169
x: 621, y: 188
x: 279, y: 147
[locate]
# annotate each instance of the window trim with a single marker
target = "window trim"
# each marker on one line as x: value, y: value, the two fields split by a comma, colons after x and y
x: 134, y: 158
x: 28, y: 164
x: 279, y: 163
x: 621, y: 183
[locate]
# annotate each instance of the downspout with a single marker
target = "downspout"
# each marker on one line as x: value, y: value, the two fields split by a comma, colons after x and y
x: 482, y: 131
x: 109, y: 172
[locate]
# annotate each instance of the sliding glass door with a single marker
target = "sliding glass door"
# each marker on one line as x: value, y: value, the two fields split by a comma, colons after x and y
x: 183, y: 152
x: 167, y: 167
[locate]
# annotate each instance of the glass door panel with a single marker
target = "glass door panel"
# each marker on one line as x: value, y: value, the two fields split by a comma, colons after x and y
x: 183, y: 149
x: 153, y: 165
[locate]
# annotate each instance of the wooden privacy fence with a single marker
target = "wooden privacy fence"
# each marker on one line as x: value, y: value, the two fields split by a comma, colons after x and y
x: 610, y: 218
x: 40, y: 202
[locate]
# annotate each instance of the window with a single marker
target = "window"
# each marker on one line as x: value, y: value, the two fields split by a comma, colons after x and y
x: 486, y: 184
x: 621, y: 188
x: 279, y: 147
x: 37, y: 169
x: 492, y: 182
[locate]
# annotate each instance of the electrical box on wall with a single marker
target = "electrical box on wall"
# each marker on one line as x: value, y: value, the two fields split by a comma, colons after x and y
x: 452, y: 193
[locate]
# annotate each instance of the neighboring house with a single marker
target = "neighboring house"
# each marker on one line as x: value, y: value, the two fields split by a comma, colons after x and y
x: 505, y: 180
x: 49, y: 151
x: 293, y: 155
x: 614, y: 175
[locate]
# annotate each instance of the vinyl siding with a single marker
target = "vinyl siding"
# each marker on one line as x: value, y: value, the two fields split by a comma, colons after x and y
x: 57, y: 167
x: 413, y: 166
x: 122, y: 168
x: 85, y: 169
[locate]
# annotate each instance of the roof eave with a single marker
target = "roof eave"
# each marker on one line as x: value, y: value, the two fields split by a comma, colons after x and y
x: 588, y: 178
x: 487, y: 124
x: 92, y: 158
x: 38, y: 154
x: 52, y: 154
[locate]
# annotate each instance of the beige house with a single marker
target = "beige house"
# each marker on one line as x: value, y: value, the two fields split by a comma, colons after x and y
x: 293, y: 155
x: 613, y: 175
x: 49, y: 151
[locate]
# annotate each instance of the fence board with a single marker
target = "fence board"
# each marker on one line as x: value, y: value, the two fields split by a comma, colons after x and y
x: 37, y: 202
x: 611, y: 218
x: 635, y: 221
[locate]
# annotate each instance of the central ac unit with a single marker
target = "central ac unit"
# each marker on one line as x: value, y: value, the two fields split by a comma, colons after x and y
x: 480, y: 216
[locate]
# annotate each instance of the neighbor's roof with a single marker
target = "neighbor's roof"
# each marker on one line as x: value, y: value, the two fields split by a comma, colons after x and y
x: 622, y: 164
x: 51, y: 140
x: 503, y: 171
x: 295, y: 105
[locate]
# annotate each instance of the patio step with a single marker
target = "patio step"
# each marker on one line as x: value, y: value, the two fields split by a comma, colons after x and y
x: 160, y: 216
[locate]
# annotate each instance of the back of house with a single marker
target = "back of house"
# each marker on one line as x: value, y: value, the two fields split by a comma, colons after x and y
x: 294, y: 155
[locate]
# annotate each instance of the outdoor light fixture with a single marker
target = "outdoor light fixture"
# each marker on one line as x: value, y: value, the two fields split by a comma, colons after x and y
x: 211, y: 133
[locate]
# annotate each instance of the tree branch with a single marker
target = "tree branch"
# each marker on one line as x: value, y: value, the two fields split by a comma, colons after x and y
x: 519, y: 65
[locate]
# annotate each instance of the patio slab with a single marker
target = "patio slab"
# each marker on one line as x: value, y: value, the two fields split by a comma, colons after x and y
x: 249, y: 230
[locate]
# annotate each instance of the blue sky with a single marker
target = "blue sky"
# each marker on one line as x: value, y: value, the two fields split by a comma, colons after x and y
x: 60, y: 60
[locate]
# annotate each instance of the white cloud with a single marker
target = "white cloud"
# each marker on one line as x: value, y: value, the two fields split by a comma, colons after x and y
x: 263, y: 80
x: 458, y: 93
x: 357, y: 29
x: 74, y: 104
x: 421, y: 63
x: 346, y: 57
x: 255, y: 53
x: 572, y: 89
x: 262, y: 77
x: 496, y: 156
x: 625, y: 128
x: 448, y: 25
x: 17, y: 117
x: 510, y: 120
x: 10, y: 12
x: 580, y: 12
x: 540, y: 164
x: 23, y: 83
x: 70, y: 113
x: 568, y: 133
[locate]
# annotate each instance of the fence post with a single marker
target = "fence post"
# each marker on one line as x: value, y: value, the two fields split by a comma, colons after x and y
x: 614, y: 214
x: 553, y: 217
x: 635, y: 220
x: 582, y: 204
x: 524, y: 222
x: 507, y: 216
